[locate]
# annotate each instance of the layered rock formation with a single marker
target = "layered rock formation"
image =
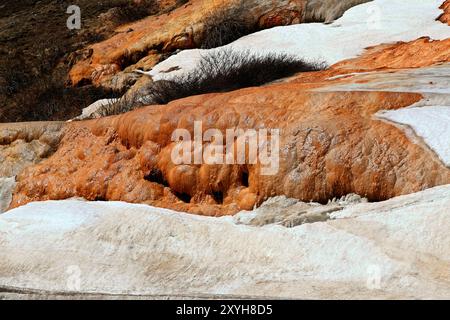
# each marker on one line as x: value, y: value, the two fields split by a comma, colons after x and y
x: 290, y: 212
x: 400, y: 55
x: 396, y: 249
x: 141, y: 42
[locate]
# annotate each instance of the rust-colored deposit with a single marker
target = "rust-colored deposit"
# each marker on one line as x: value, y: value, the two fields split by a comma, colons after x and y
x: 445, y: 16
x: 142, y: 42
x: 330, y: 145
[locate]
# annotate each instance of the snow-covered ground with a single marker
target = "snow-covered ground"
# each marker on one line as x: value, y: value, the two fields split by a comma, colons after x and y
x: 369, y: 24
x: 393, y: 249
x: 431, y: 123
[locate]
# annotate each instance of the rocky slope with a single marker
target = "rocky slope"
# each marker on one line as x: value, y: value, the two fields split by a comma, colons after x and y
x: 445, y: 17
x: 366, y: 140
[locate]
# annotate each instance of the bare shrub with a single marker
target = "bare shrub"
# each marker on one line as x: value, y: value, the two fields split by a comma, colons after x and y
x: 218, y: 71
x: 225, y: 26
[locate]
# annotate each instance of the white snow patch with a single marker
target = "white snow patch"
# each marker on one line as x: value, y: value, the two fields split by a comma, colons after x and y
x: 365, y: 25
x: 136, y: 249
x: 432, y: 123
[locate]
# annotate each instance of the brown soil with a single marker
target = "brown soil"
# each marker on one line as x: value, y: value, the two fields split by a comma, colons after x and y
x: 37, y: 50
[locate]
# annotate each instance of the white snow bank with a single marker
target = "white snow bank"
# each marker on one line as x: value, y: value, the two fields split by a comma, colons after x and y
x: 432, y: 123
x: 91, y: 110
x: 395, y: 249
x: 369, y: 24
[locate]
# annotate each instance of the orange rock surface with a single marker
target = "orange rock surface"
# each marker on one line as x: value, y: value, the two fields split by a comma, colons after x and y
x: 140, y: 44
x: 330, y: 146
x: 445, y: 17
x: 179, y: 29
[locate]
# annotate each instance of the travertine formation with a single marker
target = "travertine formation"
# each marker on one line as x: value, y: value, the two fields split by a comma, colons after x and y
x: 367, y: 129
x: 400, y: 55
x: 23, y: 145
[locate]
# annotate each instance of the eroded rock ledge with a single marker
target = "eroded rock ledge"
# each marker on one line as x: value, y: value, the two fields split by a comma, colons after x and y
x: 26, y: 143
x: 445, y: 17
x: 331, y: 144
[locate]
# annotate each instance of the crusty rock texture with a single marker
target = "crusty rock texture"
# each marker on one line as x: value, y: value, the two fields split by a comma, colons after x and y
x: 328, y: 10
x: 27, y: 143
x: 290, y: 212
x: 400, y: 55
x: 330, y: 146
x: 181, y: 29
